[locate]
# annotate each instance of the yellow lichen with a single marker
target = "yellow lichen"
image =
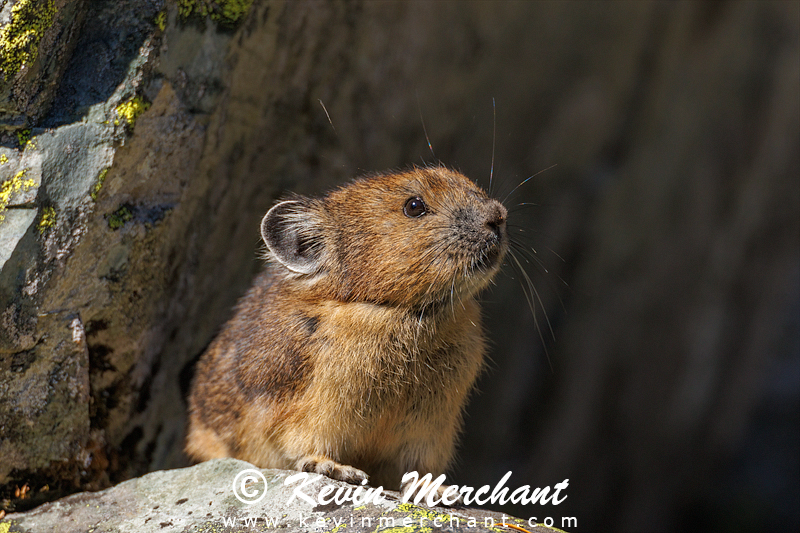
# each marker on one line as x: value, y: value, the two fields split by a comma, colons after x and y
x: 130, y: 110
x: 19, y: 39
x: 225, y: 12
x: 3, y: 159
x: 418, y: 512
x: 338, y: 528
x: 11, y: 186
x: 99, y: 185
x: 161, y: 20
x: 24, y: 137
x: 118, y: 218
x: 48, y: 219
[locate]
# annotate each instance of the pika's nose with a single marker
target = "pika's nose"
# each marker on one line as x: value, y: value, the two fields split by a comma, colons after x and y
x: 496, y: 215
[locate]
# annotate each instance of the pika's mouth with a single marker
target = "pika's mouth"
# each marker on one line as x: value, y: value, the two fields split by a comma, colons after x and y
x: 481, y: 232
x: 491, y: 256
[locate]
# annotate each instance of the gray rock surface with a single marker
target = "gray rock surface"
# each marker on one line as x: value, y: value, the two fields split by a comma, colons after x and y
x: 201, y: 498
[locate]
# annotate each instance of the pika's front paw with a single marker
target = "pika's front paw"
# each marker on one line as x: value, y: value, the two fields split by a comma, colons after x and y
x: 332, y: 469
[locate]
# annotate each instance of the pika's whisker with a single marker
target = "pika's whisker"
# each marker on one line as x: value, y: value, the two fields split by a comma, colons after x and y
x: 527, y: 253
x: 327, y: 115
x: 534, y: 250
x: 526, y: 180
x: 530, y: 254
x: 424, y: 129
x: 529, y: 295
x: 519, y: 207
x: 494, y: 138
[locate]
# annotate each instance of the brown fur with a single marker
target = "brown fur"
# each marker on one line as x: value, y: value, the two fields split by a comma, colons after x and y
x: 355, y: 350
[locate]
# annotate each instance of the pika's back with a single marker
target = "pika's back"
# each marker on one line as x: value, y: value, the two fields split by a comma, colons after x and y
x: 359, y: 343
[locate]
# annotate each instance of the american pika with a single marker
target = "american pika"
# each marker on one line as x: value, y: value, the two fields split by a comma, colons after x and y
x: 355, y: 350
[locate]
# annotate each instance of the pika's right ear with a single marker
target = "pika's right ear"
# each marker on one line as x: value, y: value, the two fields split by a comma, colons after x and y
x: 292, y: 234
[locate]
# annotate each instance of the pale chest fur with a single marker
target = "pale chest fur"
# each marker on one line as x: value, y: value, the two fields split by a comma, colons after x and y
x: 390, y: 372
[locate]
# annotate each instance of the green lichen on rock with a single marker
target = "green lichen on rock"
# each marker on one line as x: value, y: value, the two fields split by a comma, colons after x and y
x: 48, y: 219
x: 19, y: 39
x: 225, y: 12
x: 130, y: 110
x: 415, y: 513
x: 16, y: 184
x: 118, y: 218
x: 24, y: 137
x: 101, y: 178
x: 161, y: 20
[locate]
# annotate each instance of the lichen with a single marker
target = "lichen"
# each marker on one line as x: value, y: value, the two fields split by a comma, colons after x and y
x: 101, y: 177
x: 118, y: 218
x: 11, y: 186
x: 338, y: 528
x: 3, y: 159
x: 161, y: 20
x: 48, y: 219
x: 19, y: 39
x: 418, y: 512
x: 130, y: 110
x: 24, y: 137
x: 224, y: 12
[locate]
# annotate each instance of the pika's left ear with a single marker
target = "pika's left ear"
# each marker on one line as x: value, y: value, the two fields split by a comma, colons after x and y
x: 293, y: 235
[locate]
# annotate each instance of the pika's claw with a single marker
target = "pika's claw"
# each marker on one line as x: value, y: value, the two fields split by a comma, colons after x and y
x: 332, y: 469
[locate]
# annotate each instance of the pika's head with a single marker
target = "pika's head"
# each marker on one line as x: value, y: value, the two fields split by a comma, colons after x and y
x: 411, y: 238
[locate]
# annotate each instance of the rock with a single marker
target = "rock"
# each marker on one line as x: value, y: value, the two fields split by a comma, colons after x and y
x: 16, y: 224
x: 36, y: 41
x: 45, y: 425
x: 201, y: 498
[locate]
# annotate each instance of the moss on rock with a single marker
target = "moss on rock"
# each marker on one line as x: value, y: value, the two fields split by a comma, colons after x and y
x: 226, y: 13
x: 118, y: 218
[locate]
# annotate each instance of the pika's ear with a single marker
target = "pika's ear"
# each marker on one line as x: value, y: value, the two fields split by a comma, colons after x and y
x: 292, y: 233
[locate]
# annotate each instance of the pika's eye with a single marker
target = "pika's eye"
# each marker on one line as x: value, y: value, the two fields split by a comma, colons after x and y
x: 414, y: 207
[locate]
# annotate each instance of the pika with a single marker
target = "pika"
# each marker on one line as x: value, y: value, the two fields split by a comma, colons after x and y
x: 354, y: 352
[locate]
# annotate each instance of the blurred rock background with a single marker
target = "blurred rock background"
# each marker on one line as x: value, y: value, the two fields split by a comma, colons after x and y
x: 657, y: 366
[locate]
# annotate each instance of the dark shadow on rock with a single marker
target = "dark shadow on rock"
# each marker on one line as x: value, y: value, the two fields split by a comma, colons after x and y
x: 112, y: 35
